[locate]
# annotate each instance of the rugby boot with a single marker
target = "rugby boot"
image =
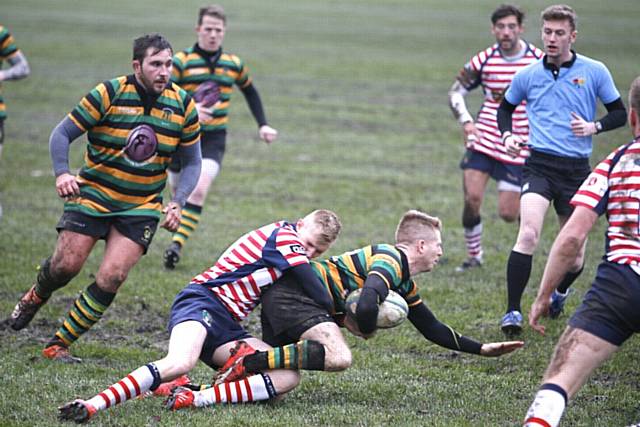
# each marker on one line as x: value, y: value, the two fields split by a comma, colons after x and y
x: 172, y: 256
x: 165, y: 389
x: 26, y: 308
x: 511, y: 323
x: 468, y: 264
x: 60, y: 353
x: 78, y: 411
x: 181, y: 397
x: 233, y: 369
x: 558, y: 301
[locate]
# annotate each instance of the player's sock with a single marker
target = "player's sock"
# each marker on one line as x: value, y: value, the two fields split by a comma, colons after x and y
x: 46, y: 284
x: 473, y: 240
x: 188, y: 223
x: 306, y: 354
x: 547, y: 407
x: 86, y: 311
x: 568, y: 280
x: 518, y: 272
x: 138, y: 382
x: 250, y: 389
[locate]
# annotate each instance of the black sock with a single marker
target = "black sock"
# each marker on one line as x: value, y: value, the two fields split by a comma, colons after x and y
x: 568, y: 280
x: 518, y: 272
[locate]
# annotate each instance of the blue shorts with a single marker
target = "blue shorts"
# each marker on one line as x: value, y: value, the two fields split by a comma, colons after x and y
x: 196, y: 302
x: 496, y: 169
x: 610, y: 307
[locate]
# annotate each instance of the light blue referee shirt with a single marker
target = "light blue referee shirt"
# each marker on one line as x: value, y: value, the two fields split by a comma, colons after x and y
x: 552, y: 95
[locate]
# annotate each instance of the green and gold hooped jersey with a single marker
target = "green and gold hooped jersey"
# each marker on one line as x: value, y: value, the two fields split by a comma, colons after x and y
x: 111, y: 183
x: 348, y: 272
x: 8, y: 48
x: 190, y: 69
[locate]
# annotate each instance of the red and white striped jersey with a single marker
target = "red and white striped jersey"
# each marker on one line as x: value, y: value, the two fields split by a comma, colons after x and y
x: 614, y: 188
x: 493, y: 72
x: 252, y: 262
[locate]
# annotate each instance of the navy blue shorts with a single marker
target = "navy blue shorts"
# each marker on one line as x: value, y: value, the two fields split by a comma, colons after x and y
x: 196, y: 302
x: 610, y: 307
x: 496, y: 169
x: 555, y: 178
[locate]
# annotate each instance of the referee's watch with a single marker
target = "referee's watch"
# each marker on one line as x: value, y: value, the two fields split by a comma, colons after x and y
x: 598, y: 126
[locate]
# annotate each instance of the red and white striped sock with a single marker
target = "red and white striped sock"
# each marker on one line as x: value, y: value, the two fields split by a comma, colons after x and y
x: 473, y: 240
x: 547, y: 407
x: 130, y: 387
x: 250, y: 389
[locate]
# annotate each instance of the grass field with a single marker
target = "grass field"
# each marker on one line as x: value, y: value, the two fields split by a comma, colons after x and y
x: 358, y: 91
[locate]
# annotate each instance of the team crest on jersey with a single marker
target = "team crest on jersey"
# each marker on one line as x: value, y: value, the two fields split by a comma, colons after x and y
x: 166, y: 114
x: 298, y: 249
x: 579, y: 81
x: 206, y: 317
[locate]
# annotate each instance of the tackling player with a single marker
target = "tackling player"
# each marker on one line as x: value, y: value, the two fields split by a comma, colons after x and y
x: 134, y: 124
x: 206, y: 66
x: 561, y: 93
x: 609, y: 312
x: 205, y: 316
x: 308, y: 336
x: 491, y: 69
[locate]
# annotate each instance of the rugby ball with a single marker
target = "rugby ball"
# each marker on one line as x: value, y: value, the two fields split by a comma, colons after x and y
x: 391, y: 312
x: 207, y: 93
x: 141, y: 143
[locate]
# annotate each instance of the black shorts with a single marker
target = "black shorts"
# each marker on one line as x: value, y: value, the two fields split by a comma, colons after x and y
x: 610, y: 307
x: 1, y: 131
x: 497, y: 170
x: 212, y: 146
x: 287, y: 312
x: 139, y: 229
x: 555, y: 178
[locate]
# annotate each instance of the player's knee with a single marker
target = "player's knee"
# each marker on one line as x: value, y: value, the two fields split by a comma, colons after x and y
x: 528, y: 238
x: 112, y: 280
x: 285, y: 380
x: 472, y: 203
x: 508, y: 214
x: 338, y: 360
x: 64, y: 268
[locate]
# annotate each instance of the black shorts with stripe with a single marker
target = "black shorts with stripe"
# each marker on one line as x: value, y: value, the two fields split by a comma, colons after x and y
x: 212, y: 146
x: 287, y: 312
x: 555, y: 178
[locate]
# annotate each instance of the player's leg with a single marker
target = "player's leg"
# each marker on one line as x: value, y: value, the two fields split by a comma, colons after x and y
x: 576, y: 356
x: 71, y: 251
x: 1, y: 135
x: 533, y: 208
x: 475, y: 175
x: 213, y: 147
x: 254, y: 387
x: 127, y: 241
x: 185, y: 345
x: 508, y: 201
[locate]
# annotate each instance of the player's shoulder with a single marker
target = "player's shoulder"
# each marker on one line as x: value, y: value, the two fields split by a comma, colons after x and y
x: 587, y: 61
x: 534, y: 50
x: 115, y: 85
x: 483, y: 55
x: 385, y: 249
x: 230, y: 58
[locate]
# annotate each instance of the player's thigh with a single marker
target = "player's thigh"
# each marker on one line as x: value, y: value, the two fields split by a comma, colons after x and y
x: 185, y: 345
x: 509, y: 203
x: 577, y: 354
x: 533, y: 208
x: 72, y: 250
x: 120, y: 255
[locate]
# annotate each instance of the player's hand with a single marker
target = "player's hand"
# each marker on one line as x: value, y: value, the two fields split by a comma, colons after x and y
x: 513, y: 144
x: 495, y: 349
x: 267, y: 134
x: 352, y: 326
x: 581, y: 127
x: 204, y: 113
x: 471, y: 133
x: 67, y: 186
x: 539, y: 308
x: 172, y: 216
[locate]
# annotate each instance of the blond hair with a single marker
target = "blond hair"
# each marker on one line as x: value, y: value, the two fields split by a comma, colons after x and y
x: 214, y: 10
x: 328, y: 224
x: 415, y: 225
x: 560, y: 12
x: 634, y: 96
